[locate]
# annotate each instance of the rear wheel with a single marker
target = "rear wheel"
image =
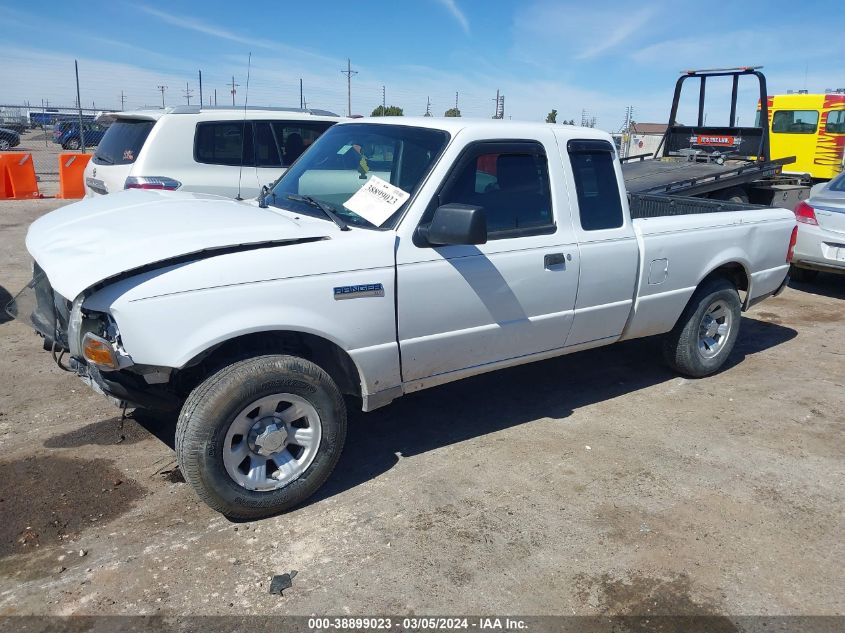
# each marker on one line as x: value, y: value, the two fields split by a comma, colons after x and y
x: 803, y: 275
x: 5, y: 145
x: 705, y: 334
x: 261, y: 435
x: 72, y: 144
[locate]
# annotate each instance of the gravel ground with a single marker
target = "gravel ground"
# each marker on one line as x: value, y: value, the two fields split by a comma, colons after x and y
x: 598, y: 483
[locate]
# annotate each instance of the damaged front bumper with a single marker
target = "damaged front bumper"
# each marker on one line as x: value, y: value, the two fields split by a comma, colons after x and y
x: 125, y: 388
x: 62, y: 325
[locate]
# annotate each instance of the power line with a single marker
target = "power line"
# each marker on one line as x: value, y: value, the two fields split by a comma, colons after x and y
x: 349, y: 72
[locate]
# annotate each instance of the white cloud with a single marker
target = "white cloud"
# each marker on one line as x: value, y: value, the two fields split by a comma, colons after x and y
x: 456, y: 12
x: 618, y: 34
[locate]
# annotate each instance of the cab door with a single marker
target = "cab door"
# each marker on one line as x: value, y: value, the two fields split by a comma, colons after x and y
x: 609, y: 250
x: 464, y: 307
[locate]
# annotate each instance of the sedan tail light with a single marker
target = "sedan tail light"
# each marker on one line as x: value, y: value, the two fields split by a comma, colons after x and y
x: 790, y: 252
x: 152, y: 182
x: 805, y: 214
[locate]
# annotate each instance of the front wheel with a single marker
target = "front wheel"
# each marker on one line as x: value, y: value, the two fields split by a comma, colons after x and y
x: 72, y: 144
x: 704, y: 336
x: 5, y: 145
x: 261, y: 435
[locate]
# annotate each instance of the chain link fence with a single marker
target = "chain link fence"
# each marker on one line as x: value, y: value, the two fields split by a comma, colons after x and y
x: 45, y: 133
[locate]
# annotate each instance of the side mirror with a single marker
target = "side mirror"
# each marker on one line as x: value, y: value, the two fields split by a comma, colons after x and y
x: 456, y: 224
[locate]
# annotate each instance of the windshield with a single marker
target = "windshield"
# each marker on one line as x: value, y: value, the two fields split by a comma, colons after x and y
x: 347, y: 157
x: 838, y: 183
x: 122, y: 142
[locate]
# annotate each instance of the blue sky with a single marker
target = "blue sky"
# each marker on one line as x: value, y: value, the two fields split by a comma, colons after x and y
x: 572, y: 56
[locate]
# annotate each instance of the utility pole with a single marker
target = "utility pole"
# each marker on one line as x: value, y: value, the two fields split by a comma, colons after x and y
x: 162, y: 89
x: 428, y: 106
x: 500, y: 106
x: 456, y: 102
x: 200, y: 74
x: 383, y: 101
x: 79, y: 103
x: 349, y: 72
x: 234, y: 90
x: 122, y: 100
x: 188, y: 93
x: 215, y: 97
x: 301, y: 100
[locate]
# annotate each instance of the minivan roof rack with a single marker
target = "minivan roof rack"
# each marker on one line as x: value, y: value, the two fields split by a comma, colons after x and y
x: 196, y: 109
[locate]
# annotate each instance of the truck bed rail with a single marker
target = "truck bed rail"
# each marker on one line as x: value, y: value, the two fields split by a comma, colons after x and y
x: 645, y: 205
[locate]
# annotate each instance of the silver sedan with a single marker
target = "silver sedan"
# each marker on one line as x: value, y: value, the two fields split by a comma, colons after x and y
x: 821, y: 231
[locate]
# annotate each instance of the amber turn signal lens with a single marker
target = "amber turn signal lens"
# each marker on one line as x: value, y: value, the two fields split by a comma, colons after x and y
x: 98, y: 351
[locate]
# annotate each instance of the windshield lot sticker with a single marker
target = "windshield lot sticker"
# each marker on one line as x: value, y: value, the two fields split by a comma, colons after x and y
x: 376, y: 201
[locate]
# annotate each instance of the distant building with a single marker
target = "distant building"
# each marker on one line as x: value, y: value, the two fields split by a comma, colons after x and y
x: 645, y: 137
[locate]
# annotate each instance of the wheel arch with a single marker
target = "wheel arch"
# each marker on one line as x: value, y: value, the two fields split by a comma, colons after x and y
x: 734, y: 270
x: 320, y: 350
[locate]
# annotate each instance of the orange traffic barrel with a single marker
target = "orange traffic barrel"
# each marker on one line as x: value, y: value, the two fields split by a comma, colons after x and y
x: 17, y: 177
x: 71, y: 175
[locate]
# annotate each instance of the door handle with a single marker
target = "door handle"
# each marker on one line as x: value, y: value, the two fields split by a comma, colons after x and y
x: 554, y: 259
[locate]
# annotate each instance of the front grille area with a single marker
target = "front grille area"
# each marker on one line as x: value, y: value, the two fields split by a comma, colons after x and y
x: 40, y: 307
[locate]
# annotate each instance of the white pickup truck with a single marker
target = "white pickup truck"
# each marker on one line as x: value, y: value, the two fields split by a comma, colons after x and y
x: 393, y: 256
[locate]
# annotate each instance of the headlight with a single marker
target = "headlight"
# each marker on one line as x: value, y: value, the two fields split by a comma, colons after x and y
x: 74, y: 327
x: 99, y: 352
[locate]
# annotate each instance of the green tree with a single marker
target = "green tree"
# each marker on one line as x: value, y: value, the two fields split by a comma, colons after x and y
x: 452, y: 112
x: 551, y: 117
x: 391, y: 110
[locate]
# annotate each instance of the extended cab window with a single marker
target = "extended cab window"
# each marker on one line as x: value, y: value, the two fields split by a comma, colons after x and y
x: 510, y: 182
x: 224, y: 143
x: 593, y: 167
x: 795, y: 121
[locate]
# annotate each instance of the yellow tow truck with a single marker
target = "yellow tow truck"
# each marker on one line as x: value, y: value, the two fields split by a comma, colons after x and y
x: 810, y: 127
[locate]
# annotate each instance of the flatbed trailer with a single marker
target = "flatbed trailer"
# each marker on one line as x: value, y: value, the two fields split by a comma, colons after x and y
x: 725, y: 162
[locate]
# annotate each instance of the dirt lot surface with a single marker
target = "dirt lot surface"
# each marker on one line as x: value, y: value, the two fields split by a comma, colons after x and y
x: 596, y: 483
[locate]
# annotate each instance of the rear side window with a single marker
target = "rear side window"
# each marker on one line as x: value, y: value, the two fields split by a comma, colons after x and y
x: 836, y: 122
x: 838, y: 183
x: 224, y: 143
x: 122, y: 142
x: 795, y: 121
x: 593, y: 167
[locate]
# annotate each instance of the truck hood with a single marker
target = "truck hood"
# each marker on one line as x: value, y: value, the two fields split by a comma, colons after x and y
x: 85, y: 243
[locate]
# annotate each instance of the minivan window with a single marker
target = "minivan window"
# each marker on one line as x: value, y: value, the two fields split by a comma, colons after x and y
x: 795, y: 122
x: 266, y: 143
x: 294, y: 137
x: 122, y: 142
x: 224, y: 143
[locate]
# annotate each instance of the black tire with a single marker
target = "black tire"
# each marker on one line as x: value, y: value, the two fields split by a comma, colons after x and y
x: 5, y: 145
x: 802, y: 275
x: 212, y: 406
x: 681, y: 345
x: 737, y: 195
x: 72, y: 144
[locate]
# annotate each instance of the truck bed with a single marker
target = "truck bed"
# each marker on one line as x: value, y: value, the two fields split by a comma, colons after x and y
x: 645, y: 205
x: 694, y: 178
